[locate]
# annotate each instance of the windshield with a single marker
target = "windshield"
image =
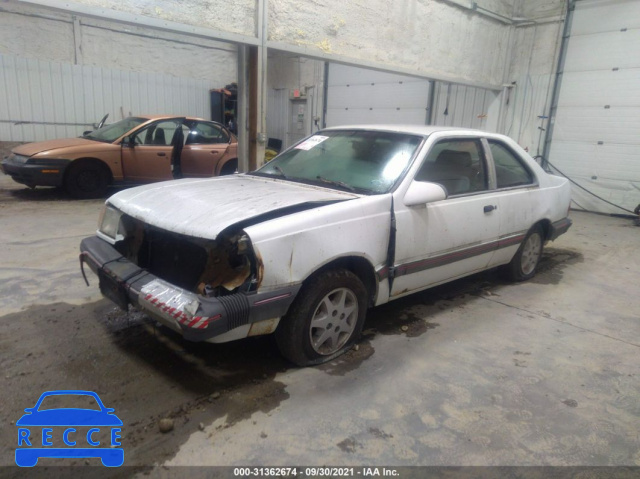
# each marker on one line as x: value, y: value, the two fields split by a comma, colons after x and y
x: 115, y: 130
x: 368, y: 162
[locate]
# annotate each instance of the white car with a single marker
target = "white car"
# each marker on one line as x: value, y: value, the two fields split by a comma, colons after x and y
x: 347, y: 219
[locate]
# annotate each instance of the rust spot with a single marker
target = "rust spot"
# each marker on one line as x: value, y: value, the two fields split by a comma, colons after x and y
x: 406, y: 290
x: 225, y: 266
x: 267, y: 326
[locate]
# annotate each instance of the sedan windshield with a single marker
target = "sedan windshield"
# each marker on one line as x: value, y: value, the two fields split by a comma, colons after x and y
x: 368, y: 162
x: 112, y: 132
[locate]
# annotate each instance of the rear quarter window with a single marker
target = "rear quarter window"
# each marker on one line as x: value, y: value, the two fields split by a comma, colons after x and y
x: 510, y: 169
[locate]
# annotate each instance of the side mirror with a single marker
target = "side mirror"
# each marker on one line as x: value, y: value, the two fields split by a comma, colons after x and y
x: 129, y: 141
x: 421, y: 193
x: 85, y: 133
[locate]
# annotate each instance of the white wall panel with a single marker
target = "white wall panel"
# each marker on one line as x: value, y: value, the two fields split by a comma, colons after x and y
x: 463, y: 106
x: 596, y: 138
x: 42, y: 100
x: 620, y: 125
x: 600, y: 88
x: 362, y: 96
x: 603, y: 51
x: 598, y: 16
x: 359, y: 95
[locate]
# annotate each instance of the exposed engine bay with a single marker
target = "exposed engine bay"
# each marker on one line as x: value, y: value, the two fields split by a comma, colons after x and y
x: 211, y: 268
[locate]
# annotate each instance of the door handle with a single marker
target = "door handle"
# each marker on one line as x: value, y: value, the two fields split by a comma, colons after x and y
x: 215, y: 152
x: 162, y: 154
x: 490, y: 208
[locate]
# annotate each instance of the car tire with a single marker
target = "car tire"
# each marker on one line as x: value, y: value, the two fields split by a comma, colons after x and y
x: 325, y: 319
x: 86, y: 179
x: 525, y: 262
x: 229, y: 168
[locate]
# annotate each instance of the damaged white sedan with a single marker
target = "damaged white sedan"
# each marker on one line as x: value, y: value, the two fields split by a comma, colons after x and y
x: 347, y: 219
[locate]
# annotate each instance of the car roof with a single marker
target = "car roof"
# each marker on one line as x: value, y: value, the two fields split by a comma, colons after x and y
x: 424, y: 130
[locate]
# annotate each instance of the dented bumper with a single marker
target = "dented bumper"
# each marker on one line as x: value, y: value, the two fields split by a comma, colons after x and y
x: 196, y: 317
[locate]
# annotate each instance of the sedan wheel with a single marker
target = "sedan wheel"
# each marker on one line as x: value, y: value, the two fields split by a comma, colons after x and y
x: 525, y: 262
x: 531, y: 254
x: 325, y: 319
x: 333, y: 322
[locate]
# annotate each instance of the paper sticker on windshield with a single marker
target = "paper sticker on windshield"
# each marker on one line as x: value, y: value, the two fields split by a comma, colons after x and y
x: 311, y: 142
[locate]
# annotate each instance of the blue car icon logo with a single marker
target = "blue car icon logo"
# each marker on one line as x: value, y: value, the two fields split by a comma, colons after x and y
x: 64, y: 432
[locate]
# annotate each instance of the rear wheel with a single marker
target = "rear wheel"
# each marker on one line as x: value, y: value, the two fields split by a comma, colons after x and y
x: 325, y: 319
x: 524, y: 264
x: 86, y: 179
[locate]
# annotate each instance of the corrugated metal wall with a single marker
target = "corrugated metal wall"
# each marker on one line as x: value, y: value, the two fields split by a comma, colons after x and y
x: 42, y: 100
x: 463, y: 106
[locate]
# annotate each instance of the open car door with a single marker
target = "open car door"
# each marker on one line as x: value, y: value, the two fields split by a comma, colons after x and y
x: 149, y: 155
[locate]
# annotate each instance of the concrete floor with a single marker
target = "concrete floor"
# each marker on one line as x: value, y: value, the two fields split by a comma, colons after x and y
x: 485, y: 373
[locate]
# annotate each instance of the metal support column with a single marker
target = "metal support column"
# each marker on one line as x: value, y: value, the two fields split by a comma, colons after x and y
x: 259, y: 67
x: 243, y: 108
x: 566, y: 34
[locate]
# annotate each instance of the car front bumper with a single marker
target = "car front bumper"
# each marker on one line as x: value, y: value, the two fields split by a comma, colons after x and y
x: 196, y: 317
x: 44, y: 173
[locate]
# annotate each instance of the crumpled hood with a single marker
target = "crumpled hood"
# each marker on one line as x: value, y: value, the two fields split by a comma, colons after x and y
x: 202, y: 208
x: 31, y: 149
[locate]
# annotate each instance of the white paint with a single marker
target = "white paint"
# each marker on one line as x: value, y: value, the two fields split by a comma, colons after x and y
x: 113, y: 45
x: 432, y: 39
x: 532, y: 74
x: 295, y: 246
x: 136, y: 53
x: 214, y: 204
x: 237, y: 17
x: 18, y: 35
x: 539, y: 9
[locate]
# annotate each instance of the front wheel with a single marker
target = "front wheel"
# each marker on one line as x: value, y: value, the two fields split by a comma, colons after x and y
x: 525, y: 262
x: 325, y: 319
x: 86, y: 179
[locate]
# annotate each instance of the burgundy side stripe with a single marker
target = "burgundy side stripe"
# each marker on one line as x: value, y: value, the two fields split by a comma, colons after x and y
x: 442, y: 260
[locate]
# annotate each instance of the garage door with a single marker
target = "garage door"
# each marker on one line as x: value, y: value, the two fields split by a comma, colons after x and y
x: 596, y: 133
x: 361, y: 96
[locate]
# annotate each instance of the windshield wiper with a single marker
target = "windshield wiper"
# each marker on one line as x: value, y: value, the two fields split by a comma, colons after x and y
x: 336, y: 183
x: 279, y: 170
